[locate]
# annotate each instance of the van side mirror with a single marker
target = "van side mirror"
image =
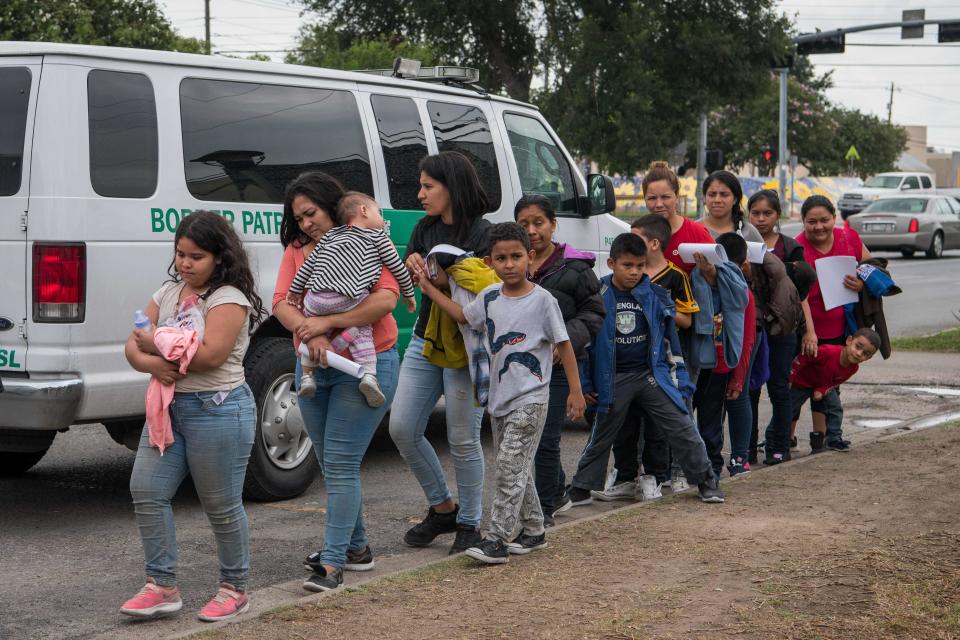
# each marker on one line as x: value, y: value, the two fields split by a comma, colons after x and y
x: 905, y: 186
x: 601, y: 198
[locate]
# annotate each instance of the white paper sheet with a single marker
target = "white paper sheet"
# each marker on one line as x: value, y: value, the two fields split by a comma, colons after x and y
x: 337, y: 361
x: 447, y: 248
x: 830, y: 273
x: 756, y: 251
x: 714, y: 253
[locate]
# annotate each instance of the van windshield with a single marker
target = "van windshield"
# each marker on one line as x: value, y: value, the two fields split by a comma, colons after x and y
x: 883, y: 182
x: 14, y: 97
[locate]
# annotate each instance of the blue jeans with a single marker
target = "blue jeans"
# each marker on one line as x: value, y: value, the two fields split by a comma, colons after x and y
x: 212, y: 443
x: 740, y: 415
x: 420, y: 387
x: 341, y: 425
x: 830, y: 405
x: 777, y: 435
x: 550, y: 479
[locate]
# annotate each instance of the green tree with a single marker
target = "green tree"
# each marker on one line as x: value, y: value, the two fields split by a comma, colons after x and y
x: 117, y: 23
x: 632, y: 77
x: 322, y: 46
x: 818, y: 132
x: 496, y: 36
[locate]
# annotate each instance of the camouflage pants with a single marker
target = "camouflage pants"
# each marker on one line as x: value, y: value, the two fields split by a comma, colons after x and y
x: 516, y: 436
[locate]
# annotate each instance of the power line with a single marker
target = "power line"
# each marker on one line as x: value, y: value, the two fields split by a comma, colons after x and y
x: 888, y: 64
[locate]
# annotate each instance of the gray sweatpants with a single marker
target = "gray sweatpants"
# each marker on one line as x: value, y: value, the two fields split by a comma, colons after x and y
x: 686, y: 445
x: 516, y: 436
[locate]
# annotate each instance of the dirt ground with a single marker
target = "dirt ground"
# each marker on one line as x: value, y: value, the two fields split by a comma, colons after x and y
x: 863, y: 544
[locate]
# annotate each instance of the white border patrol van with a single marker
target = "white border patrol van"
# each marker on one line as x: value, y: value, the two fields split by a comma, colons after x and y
x: 104, y: 150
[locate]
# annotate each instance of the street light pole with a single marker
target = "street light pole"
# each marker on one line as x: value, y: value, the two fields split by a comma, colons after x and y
x: 701, y: 162
x: 782, y: 142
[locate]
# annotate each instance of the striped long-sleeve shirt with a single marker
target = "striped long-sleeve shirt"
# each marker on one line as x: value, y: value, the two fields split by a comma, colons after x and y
x: 348, y: 260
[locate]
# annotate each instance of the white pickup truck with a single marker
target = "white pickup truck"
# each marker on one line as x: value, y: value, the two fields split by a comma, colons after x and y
x: 881, y: 185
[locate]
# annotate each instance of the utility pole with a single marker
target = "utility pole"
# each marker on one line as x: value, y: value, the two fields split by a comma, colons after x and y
x: 206, y: 22
x: 782, y: 142
x: 890, y: 106
x: 701, y: 162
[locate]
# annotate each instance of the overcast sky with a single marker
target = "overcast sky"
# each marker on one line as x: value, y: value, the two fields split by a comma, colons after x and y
x: 925, y: 75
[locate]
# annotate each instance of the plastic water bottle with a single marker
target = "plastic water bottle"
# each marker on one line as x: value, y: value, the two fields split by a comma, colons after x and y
x: 140, y: 320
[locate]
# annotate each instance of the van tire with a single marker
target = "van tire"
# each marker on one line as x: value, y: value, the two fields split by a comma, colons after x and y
x: 14, y: 463
x: 276, y: 472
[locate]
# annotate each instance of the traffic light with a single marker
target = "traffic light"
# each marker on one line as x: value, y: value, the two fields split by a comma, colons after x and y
x: 714, y: 161
x: 826, y: 42
x: 768, y: 155
x: 949, y: 31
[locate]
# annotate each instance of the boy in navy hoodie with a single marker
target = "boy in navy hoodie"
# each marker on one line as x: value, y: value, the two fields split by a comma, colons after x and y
x: 636, y: 358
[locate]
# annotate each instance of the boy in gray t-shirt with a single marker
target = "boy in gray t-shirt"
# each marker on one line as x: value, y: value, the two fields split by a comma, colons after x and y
x: 522, y: 328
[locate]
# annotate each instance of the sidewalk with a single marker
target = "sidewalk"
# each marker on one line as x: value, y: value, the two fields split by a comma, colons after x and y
x: 862, y: 544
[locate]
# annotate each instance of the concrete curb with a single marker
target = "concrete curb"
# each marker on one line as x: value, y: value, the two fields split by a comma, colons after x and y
x: 291, y: 593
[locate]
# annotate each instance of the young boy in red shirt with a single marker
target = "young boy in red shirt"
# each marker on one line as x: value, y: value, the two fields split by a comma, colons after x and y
x: 814, y: 376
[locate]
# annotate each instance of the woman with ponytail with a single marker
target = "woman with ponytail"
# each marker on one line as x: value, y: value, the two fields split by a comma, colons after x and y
x: 722, y: 194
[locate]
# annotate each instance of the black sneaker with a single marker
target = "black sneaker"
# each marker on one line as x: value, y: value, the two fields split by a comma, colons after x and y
x: 490, y: 552
x: 776, y: 457
x: 525, y: 543
x: 574, y: 497
x: 839, y: 445
x: 435, y: 524
x: 466, y: 537
x: 548, y: 520
x: 359, y: 559
x: 710, y: 490
x: 323, y: 581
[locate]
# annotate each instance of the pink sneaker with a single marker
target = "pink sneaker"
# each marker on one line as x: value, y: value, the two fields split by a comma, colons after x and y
x: 153, y: 600
x: 225, y: 605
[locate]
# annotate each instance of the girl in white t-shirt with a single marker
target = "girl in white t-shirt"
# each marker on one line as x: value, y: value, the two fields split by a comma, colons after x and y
x: 213, y: 416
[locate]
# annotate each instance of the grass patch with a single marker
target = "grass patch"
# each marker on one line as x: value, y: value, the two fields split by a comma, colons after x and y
x: 944, y: 342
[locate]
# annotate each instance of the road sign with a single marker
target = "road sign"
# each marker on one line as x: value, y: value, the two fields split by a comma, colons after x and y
x: 852, y: 154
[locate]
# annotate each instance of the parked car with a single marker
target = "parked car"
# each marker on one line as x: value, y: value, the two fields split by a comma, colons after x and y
x: 103, y: 150
x: 928, y: 223
x: 883, y: 185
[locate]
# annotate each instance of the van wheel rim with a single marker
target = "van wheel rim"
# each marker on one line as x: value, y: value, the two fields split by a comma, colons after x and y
x: 282, y: 432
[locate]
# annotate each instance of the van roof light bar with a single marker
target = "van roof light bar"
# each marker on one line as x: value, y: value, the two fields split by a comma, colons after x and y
x: 411, y: 69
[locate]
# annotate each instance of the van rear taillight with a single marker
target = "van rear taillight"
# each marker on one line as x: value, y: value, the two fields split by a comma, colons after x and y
x: 59, y: 282
x: 914, y: 226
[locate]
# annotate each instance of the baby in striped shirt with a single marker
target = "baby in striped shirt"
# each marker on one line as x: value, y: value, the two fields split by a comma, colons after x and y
x: 339, y: 274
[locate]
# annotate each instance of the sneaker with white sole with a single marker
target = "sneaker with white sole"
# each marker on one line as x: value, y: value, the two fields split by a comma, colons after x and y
x: 370, y: 389
x: 491, y: 551
x: 620, y: 491
x: 226, y: 604
x: 648, y: 489
x: 678, y: 483
x: 525, y: 543
x: 152, y: 601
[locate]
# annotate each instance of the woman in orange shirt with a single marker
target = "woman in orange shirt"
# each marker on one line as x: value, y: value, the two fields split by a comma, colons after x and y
x: 338, y: 418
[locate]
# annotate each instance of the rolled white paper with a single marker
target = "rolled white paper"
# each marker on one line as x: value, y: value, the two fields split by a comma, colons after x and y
x: 337, y: 361
x: 715, y: 253
x: 756, y: 251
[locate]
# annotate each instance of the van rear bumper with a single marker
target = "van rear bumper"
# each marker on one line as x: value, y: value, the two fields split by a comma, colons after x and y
x: 43, y: 405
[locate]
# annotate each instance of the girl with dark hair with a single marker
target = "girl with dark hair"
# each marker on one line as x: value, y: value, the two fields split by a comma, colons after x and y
x: 454, y: 203
x: 212, y: 417
x: 568, y: 275
x: 338, y: 419
x: 821, y: 238
x: 661, y: 193
x: 722, y: 194
x: 764, y: 211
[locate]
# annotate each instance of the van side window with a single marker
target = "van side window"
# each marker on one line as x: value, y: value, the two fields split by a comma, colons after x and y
x: 462, y: 128
x: 404, y: 145
x: 243, y: 142
x: 122, y: 117
x: 542, y: 167
x: 925, y: 181
x: 14, y: 97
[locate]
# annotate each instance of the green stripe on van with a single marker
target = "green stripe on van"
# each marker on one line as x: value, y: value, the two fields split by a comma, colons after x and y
x: 401, y: 223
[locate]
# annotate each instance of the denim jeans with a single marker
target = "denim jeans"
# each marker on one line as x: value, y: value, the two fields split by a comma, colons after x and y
x: 640, y: 440
x: 550, y: 479
x: 777, y: 435
x: 630, y: 388
x: 341, y: 425
x: 212, y: 443
x: 740, y: 414
x: 708, y: 400
x: 830, y: 405
x: 420, y: 387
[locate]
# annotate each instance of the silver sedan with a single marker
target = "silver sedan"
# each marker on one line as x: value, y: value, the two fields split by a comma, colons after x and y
x: 928, y: 223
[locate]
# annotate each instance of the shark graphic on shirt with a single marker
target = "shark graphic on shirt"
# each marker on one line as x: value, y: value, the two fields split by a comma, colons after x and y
x: 524, y: 359
x: 509, y: 338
